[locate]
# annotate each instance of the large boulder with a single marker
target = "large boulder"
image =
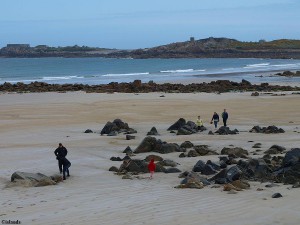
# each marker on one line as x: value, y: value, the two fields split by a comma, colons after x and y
x: 151, y: 144
x: 138, y: 166
x: 117, y: 126
x: 275, y: 149
x: 33, y: 179
x: 178, y: 124
x: 291, y: 157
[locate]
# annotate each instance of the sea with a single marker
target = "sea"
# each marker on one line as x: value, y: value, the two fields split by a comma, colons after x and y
x: 94, y: 71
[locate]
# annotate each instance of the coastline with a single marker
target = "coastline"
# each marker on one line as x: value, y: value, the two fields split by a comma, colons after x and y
x: 32, y: 124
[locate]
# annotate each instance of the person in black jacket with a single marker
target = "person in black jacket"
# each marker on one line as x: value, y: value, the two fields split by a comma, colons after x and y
x: 66, y: 165
x: 61, y: 152
x: 225, y: 117
x: 215, y: 119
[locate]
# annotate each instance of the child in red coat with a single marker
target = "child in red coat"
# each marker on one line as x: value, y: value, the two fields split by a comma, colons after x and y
x: 151, y: 168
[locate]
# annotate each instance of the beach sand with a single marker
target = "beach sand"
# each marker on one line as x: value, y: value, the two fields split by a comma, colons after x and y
x: 33, y: 124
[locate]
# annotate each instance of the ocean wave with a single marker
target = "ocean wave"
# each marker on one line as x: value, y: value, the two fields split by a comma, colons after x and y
x: 61, y: 78
x: 257, y: 65
x: 181, y: 71
x: 124, y: 74
x: 287, y: 65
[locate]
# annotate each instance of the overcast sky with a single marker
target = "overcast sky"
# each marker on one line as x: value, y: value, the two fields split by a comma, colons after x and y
x: 130, y: 24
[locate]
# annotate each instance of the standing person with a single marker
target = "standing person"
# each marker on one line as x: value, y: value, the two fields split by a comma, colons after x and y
x: 215, y: 119
x: 225, y: 117
x: 66, y: 165
x: 199, y: 123
x: 151, y: 168
x: 61, y: 152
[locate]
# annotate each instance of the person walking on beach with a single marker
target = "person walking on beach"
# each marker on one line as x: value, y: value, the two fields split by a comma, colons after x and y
x: 215, y: 119
x: 151, y: 168
x: 66, y: 165
x: 225, y: 117
x: 60, y: 153
x: 199, y: 123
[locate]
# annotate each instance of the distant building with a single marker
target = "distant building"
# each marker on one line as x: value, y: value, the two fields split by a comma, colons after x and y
x: 192, y: 39
x: 18, y: 46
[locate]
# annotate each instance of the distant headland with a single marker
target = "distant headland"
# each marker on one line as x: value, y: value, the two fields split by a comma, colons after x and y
x: 202, y: 48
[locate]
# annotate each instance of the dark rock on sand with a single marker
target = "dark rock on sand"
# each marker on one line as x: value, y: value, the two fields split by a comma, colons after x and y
x: 275, y: 149
x: 151, y: 144
x: 129, y: 137
x: 239, y: 152
x: 257, y: 145
x: 276, y: 195
x: 153, y: 132
x: 178, y: 124
x: 291, y: 157
x: 225, y: 131
x: 255, y: 94
x: 113, y: 169
x: 266, y: 130
x: 116, y: 159
x: 155, y: 157
x: 187, y: 144
x: 33, y: 179
x: 116, y: 126
x: 128, y: 150
x: 172, y: 170
x: 192, y: 176
x: 168, y: 162
x: 88, y: 131
x: 199, y: 166
x: 138, y: 166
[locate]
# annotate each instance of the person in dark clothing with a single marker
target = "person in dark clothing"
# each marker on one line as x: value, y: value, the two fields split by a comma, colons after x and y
x: 215, y: 119
x: 61, y: 152
x: 66, y: 165
x: 225, y: 117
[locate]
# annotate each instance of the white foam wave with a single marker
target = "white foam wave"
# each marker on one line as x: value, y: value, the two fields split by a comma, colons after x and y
x: 257, y: 65
x: 61, y: 78
x: 124, y: 74
x: 287, y: 65
x: 181, y: 71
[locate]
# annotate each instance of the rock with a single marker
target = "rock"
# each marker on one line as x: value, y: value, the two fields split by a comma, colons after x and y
x: 208, y: 170
x: 172, y: 170
x: 194, y: 176
x: 271, y: 185
x: 234, y: 151
x: 113, y: 169
x: 168, y: 162
x: 191, y: 184
x: 185, y: 130
x: 230, y: 187
x: 113, y: 133
x: 155, y: 157
x: 88, y: 131
x: 225, y: 131
x: 241, y: 184
x: 153, y: 132
x: 177, y: 125
x: 257, y: 145
x: 291, y: 157
x: 151, y: 144
x: 199, y: 166
x: 115, y: 159
x: 276, y: 195
x: 266, y: 130
x: 275, y: 149
x: 211, y: 133
x: 116, y: 126
x: 147, y: 145
x: 187, y: 144
x: 128, y: 150
x: 255, y: 94
x: 192, y: 153
x: 129, y: 137
x: 182, y: 155
x: 203, y: 150
x: 138, y: 166
x: 33, y: 179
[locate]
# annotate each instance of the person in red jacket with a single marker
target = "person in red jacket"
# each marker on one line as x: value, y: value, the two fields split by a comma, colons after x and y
x: 151, y: 168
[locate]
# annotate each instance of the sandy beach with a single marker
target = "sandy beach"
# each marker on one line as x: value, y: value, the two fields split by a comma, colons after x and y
x: 33, y: 124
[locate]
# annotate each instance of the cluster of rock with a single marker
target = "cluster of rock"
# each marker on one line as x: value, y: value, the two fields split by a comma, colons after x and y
x: 138, y: 87
x: 266, y: 130
x: 33, y: 179
x: 195, y: 150
x: 116, y: 127
x: 234, y: 174
x: 185, y: 128
x: 289, y: 74
x: 131, y: 167
x: 226, y: 130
